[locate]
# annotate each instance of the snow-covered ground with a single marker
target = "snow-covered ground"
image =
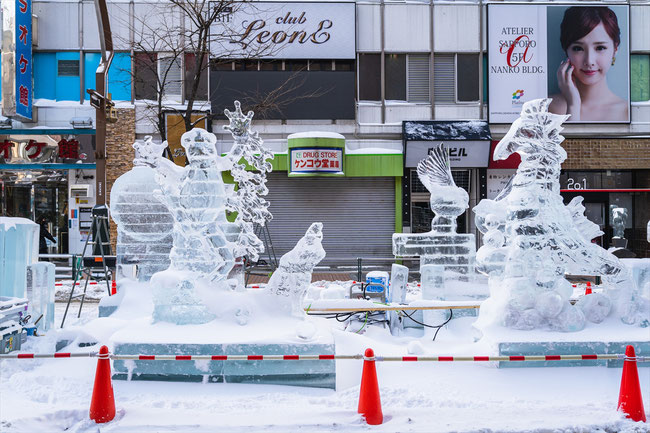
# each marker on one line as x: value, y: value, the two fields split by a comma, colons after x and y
x: 49, y: 395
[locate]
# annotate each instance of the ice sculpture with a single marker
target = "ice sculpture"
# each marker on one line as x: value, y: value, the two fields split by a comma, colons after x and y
x: 292, y: 278
x: 144, y: 224
x: 532, y: 240
x: 203, y: 253
x: 444, y: 254
x: 619, y: 218
x: 40, y: 292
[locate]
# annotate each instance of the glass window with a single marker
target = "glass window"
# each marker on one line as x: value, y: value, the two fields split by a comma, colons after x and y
x: 146, y: 76
x: 190, y: 63
x: 68, y: 68
x: 467, y: 77
x: 221, y: 65
x: 640, y: 77
x: 344, y: 65
x: 369, y: 77
x: 270, y: 65
x: 295, y: 65
x: 320, y: 65
x: 396, y: 77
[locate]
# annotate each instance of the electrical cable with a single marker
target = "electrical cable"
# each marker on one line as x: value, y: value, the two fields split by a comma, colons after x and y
x: 438, y: 327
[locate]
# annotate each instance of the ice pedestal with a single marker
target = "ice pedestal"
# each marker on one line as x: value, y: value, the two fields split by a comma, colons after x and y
x: 444, y: 257
x: 219, y: 339
x: 40, y: 292
x: 18, y: 249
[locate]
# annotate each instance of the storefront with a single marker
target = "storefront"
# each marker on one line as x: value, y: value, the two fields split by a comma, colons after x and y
x: 469, y: 150
x: 49, y: 174
x: 606, y: 190
x: 355, y: 193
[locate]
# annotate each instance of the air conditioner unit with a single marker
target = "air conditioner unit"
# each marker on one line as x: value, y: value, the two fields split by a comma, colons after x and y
x: 80, y: 191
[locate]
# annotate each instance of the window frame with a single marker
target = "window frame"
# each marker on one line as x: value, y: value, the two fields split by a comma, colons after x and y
x: 456, y: 101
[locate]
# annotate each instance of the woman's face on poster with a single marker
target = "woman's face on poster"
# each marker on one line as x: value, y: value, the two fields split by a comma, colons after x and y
x: 591, y: 55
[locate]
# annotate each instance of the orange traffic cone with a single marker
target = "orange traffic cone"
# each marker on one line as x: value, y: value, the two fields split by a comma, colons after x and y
x: 113, y: 287
x: 629, y: 399
x: 369, y: 400
x: 588, y: 289
x: 102, y: 405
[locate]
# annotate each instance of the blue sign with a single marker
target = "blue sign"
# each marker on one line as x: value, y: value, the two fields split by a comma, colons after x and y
x: 24, y: 86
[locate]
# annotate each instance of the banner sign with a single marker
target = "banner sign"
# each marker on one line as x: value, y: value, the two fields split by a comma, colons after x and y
x: 263, y: 30
x: 316, y: 160
x: 17, y: 58
x: 24, y: 58
x: 564, y: 52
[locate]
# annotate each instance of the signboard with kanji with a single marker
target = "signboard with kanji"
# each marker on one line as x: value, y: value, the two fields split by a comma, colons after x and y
x: 46, y: 149
x: 316, y: 160
x: 24, y: 58
x: 17, y: 58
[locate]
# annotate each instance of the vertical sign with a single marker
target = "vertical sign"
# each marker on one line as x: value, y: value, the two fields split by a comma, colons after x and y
x: 24, y: 58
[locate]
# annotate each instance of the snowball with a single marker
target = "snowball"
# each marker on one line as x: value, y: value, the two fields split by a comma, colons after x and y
x: 570, y: 319
x: 549, y: 304
x: 305, y: 330
x: 334, y: 291
x: 415, y: 348
x: 596, y: 307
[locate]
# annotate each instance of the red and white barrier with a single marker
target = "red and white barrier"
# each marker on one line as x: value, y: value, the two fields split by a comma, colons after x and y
x: 512, y: 358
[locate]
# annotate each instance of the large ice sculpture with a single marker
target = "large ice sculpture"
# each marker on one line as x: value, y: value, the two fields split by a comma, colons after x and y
x: 292, y: 278
x: 203, y: 253
x: 532, y: 239
x: 18, y: 249
x: 445, y: 255
x: 144, y: 224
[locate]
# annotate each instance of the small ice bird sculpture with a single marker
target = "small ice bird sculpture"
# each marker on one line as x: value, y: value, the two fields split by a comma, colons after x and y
x: 448, y: 201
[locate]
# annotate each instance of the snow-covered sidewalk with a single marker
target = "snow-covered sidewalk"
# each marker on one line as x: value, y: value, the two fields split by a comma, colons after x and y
x: 48, y: 395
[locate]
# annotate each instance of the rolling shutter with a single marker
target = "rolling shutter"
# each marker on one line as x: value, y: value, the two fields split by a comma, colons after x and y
x: 418, y: 78
x: 444, y: 89
x: 358, y: 214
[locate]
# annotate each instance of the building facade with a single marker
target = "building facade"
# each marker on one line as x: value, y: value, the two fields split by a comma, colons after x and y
x: 370, y: 85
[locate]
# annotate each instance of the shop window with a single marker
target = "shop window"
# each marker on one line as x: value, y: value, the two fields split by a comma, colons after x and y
x: 456, y: 78
x: 640, y: 77
x: 369, y: 77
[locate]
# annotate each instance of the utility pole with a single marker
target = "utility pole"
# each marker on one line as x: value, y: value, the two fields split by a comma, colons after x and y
x: 105, y: 112
x: 100, y: 100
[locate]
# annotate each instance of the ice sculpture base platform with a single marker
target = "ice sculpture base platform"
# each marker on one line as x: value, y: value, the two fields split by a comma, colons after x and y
x: 209, y: 339
x: 609, y: 337
x: 641, y: 348
x: 317, y: 374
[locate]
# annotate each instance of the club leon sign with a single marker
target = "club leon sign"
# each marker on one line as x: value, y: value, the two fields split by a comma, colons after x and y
x: 286, y: 30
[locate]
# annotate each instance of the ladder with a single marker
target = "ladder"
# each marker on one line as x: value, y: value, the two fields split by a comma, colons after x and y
x: 100, y: 243
x: 262, y: 232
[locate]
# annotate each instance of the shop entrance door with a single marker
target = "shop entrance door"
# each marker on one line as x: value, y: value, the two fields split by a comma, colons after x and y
x: 18, y: 201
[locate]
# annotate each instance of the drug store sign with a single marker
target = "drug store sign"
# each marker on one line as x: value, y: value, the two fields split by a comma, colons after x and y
x: 316, y: 161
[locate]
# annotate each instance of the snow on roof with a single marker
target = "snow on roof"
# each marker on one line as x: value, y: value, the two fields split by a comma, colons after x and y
x: 316, y: 134
x: 433, y: 130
